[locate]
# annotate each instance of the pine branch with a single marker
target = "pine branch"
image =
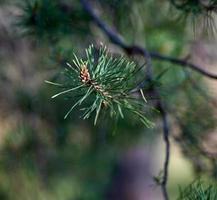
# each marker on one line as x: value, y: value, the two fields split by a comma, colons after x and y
x: 104, y: 83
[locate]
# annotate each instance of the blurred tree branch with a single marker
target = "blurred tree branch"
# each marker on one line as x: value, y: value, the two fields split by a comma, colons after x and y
x: 133, y: 49
x: 183, y: 63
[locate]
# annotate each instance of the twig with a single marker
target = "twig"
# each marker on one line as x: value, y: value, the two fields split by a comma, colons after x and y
x: 167, y: 151
x: 116, y: 39
x: 165, y: 124
x: 183, y: 63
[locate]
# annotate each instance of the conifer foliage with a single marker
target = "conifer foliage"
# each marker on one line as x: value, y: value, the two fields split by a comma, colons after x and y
x: 103, y: 83
x: 198, y: 191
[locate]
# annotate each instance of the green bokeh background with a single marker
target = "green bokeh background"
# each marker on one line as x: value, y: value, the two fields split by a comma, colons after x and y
x: 43, y: 156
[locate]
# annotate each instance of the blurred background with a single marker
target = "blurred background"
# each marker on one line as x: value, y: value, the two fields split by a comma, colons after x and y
x: 45, y: 157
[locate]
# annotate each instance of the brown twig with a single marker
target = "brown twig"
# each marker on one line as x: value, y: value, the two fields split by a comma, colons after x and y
x: 183, y: 63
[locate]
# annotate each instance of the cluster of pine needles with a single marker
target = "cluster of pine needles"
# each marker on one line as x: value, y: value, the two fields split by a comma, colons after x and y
x: 102, y: 82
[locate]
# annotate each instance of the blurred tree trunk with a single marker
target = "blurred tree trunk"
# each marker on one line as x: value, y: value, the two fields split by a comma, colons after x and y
x: 132, y: 178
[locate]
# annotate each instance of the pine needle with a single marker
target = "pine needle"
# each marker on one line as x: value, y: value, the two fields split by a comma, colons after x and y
x: 66, y: 91
x: 143, y: 96
x: 52, y: 83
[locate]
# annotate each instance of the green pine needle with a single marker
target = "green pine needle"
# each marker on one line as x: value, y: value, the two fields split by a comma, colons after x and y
x: 104, y: 83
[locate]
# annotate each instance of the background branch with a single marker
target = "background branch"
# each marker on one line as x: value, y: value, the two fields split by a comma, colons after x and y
x: 183, y: 63
x: 134, y: 49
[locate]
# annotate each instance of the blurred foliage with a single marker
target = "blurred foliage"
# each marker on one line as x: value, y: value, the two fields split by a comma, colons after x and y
x: 43, y: 155
x: 52, y: 18
x: 196, y: 7
x: 200, y: 12
x: 198, y: 191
